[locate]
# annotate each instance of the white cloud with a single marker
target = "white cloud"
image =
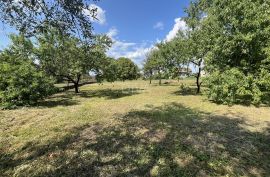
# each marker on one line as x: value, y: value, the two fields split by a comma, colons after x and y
x: 100, y: 17
x: 139, y: 54
x: 138, y: 51
x: 134, y: 51
x: 112, y: 32
x: 159, y: 26
x: 180, y: 24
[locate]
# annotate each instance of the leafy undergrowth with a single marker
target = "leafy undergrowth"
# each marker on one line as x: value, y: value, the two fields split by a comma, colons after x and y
x: 134, y: 129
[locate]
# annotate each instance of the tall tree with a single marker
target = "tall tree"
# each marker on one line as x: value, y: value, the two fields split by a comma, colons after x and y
x: 149, y: 68
x: 198, y: 40
x: 175, y: 54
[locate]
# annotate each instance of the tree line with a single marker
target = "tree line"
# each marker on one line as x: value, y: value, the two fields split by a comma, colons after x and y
x: 28, y: 71
x: 55, y: 41
x: 230, y: 41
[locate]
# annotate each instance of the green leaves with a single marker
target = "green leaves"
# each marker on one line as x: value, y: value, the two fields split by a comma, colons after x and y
x: 233, y: 40
x: 21, y: 82
x: 233, y: 86
x: 126, y: 69
x: 35, y: 17
x: 68, y: 57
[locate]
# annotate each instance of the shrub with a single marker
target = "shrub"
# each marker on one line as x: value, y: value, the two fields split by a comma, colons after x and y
x: 232, y: 86
x: 185, y: 89
x: 21, y: 83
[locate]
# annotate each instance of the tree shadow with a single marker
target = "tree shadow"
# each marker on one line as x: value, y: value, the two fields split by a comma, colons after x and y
x: 165, y: 84
x: 71, y: 86
x: 186, y: 92
x: 170, y: 140
x: 111, y: 93
x: 67, y: 98
x: 62, y: 99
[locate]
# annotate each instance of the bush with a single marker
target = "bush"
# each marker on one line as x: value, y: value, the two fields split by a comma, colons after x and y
x: 232, y: 86
x: 21, y: 83
x: 185, y: 89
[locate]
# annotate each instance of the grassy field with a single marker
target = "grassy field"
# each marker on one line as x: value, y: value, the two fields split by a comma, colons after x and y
x: 134, y: 129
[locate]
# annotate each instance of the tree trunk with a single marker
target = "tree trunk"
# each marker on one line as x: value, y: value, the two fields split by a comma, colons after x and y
x: 159, y: 74
x: 76, y: 83
x: 151, y: 75
x: 198, y: 83
x: 76, y: 86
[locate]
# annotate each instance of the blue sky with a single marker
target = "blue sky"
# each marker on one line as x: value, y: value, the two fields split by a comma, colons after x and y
x: 134, y: 25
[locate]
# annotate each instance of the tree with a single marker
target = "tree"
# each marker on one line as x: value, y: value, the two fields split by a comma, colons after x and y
x: 148, y: 69
x: 68, y: 58
x: 33, y: 17
x: 154, y: 63
x: 108, y: 70
x: 240, y: 36
x: 21, y: 81
x: 175, y: 54
x: 127, y: 70
x: 197, y: 39
x: 233, y: 37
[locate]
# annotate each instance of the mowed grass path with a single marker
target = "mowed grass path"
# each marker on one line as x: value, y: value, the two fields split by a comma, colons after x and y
x: 134, y: 129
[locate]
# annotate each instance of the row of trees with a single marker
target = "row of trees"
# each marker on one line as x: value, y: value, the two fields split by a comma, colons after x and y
x: 172, y: 57
x: 28, y: 71
x: 63, y: 31
x: 56, y: 41
x: 230, y: 41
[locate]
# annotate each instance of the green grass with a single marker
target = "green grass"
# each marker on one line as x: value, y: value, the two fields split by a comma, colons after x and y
x: 134, y: 129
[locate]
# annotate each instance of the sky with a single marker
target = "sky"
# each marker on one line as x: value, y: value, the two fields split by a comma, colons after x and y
x: 134, y: 25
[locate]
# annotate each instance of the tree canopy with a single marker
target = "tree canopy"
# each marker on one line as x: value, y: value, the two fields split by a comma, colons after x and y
x: 126, y: 69
x: 232, y: 37
x: 33, y: 17
x: 68, y: 58
x: 21, y: 80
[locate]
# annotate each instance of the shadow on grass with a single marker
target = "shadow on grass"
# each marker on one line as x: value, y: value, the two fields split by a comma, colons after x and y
x: 68, y: 98
x: 164, y: 84
x: 111, y: 93
x: 187, y: 92
x: 171, y: 140
x: 62, y: 99
x: 71, y: 86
